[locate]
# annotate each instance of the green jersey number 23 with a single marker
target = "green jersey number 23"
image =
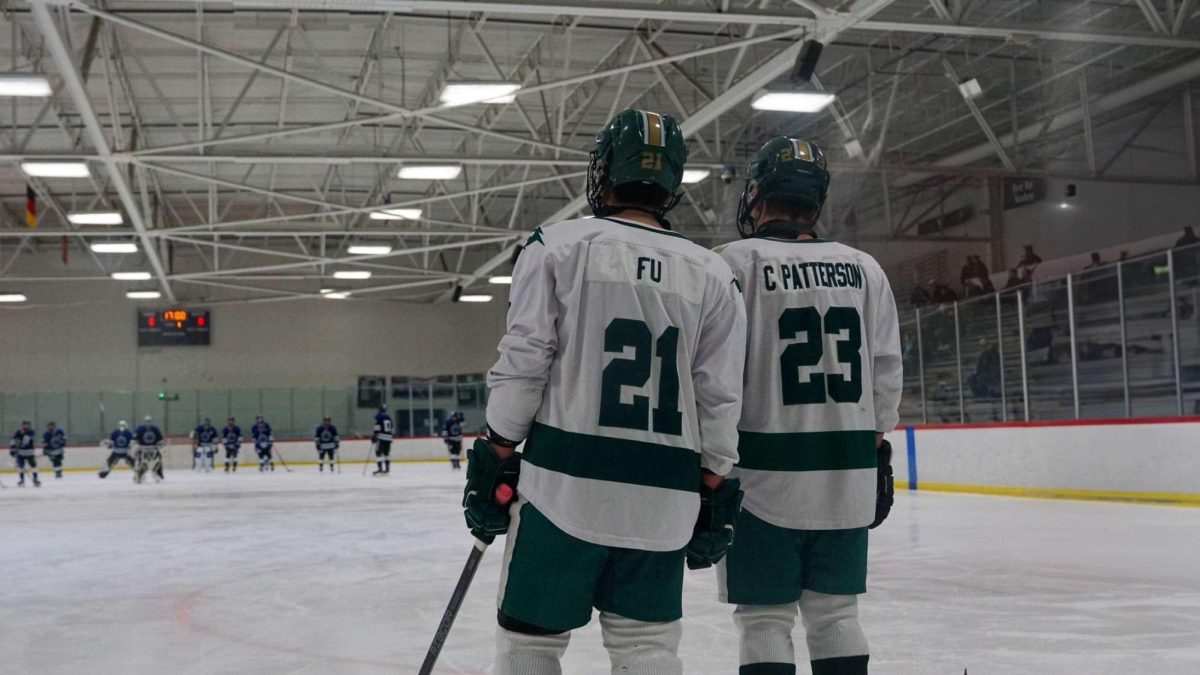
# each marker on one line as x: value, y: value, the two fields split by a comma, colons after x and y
x: 820, y: 387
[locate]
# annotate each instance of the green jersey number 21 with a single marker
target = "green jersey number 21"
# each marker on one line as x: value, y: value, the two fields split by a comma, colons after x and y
x: 820, y: 386
x: 635, y: 372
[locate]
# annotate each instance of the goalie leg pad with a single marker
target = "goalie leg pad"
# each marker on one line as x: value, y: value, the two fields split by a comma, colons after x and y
x: 642, y: 648
x: 527, y: 654
x: 765, y: 644
x: 833, y: 632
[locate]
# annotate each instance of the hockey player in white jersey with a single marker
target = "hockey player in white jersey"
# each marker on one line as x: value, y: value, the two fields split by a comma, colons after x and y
x: 621, y: 372
x: 822, y: 385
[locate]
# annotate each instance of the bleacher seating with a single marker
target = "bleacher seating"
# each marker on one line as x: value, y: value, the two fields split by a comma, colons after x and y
x: 990, y: 324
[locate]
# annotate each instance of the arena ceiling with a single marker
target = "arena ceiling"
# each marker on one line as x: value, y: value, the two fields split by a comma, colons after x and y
x: 247, y: 143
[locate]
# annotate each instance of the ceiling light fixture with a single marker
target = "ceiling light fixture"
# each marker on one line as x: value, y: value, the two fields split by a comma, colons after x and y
x: 131, y: 276
x: 396, y: 214
x: 352, y: 274
x: 96, y: 218
x: 791, y: 101
x: 114, y: 247
x: 430, y: 172
x: 12, y: 297
x: 481, y: 297
x: 55, y: 169
x: 335, y: 295
x: 692, y: 176
x: 500, y: 280
x: 143, y: 295
x: 19, y: 84
x: 364, y: 249
x: 465, y: 93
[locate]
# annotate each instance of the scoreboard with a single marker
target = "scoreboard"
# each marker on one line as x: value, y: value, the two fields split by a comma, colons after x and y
x: 173, y: 327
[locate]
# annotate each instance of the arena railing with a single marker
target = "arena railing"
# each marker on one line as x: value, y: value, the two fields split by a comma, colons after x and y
x: 1116, y: 341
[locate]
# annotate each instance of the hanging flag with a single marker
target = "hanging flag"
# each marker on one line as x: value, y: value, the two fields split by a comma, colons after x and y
x: 65, y: 250
x: 30, y: 207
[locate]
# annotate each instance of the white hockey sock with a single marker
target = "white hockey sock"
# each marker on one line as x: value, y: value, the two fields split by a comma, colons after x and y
x: 642, y: 648
x: 766, y: 633
x: 523, y: 654
x: 831, y: 625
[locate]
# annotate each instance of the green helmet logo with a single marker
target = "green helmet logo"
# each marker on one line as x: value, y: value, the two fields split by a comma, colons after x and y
x: 637, y: 146
x: 788, y: 170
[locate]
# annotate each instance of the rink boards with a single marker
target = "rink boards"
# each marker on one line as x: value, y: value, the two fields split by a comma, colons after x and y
x: 178, y: 454
x: 1147, y: 460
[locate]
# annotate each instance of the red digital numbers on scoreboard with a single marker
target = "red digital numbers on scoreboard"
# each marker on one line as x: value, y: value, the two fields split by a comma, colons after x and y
x: 174, y: 327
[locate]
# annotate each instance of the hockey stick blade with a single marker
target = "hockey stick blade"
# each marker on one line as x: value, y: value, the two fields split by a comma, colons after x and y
x: 456, y: 600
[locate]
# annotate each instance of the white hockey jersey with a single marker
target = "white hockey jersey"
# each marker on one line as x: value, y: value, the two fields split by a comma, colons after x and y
x: 823, y: 375
x: 622, y: 370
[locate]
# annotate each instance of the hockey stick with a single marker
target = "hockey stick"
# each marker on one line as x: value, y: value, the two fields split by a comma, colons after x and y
x: 281, y: 460
x: 367, y: 462
x: 337, y: 458
x: 504, y: 495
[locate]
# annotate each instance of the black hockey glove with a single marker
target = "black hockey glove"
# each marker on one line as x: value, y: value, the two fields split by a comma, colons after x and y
x: 885, y: 488
x: 713, y: 534
x: 486, y: 473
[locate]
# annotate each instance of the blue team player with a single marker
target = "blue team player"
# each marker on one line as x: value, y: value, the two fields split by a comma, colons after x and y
x: 452, y: 435
x: 264, y: 441
x: 204, y: 446
x: 54, y: 446
x: 22, y: 450
x: 382, y: 439
x: 148, y: 456
x: 231, y: 435
x: 120, y: 442
x: 327, y: 442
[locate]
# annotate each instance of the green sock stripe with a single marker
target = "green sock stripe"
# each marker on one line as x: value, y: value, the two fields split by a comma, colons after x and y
x: 768, y: 669
x: 841, y: 665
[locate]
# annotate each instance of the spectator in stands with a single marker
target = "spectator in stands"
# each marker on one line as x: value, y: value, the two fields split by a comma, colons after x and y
x: 974, y: 277
x: 1189, y: 237
x: 1014, y: 280
x: 1098, y: 284
x: 985, y: 381
x: 920, y: 296
x: 943, y: 294
x: 984, y: 275
x: 1137, y: 272
x: 968, y: 280
x: 1028, y: 264
x: 1187, y: 263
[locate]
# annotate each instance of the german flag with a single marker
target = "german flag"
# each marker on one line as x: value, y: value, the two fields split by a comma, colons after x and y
x: 30, y: 207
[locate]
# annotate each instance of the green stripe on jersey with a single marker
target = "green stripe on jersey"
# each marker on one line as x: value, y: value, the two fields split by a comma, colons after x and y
x: 814, y: 451
x: 613, y: 459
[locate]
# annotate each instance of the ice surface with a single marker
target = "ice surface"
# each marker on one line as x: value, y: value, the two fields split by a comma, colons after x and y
x: 313, y: 573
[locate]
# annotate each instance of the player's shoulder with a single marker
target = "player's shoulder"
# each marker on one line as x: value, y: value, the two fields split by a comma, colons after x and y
x: 866, y: 260
x: 736, y: 250
x: 559, y: 233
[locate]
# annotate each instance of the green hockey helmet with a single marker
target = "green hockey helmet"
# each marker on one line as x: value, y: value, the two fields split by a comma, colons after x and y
x: 784, y: 169
x: 637, y: 146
